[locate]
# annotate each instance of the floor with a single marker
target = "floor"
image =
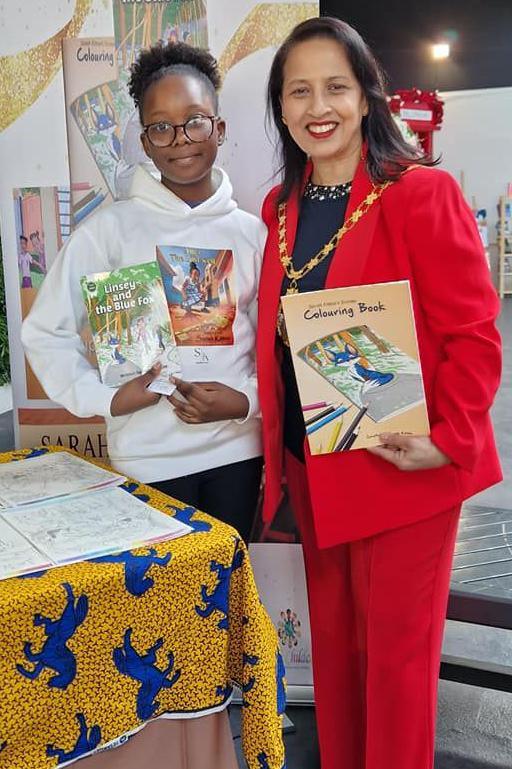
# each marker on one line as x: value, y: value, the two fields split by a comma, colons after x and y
x: 474, y: 725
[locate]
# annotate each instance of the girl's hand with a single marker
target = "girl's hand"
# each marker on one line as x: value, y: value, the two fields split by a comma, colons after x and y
x: 410, y: 452
x: 207, y: 402
x: 134, y: 395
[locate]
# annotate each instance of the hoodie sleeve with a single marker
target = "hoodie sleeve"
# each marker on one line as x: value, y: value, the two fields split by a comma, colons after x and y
x: 250, y: 386
x: 51, y: 332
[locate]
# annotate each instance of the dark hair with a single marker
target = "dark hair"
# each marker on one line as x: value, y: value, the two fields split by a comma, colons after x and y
x: 172, y: 59
x: 388, y: 152
x: 22, y: 237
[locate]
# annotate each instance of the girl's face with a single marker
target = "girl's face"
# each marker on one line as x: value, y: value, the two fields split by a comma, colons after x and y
x: 185, y: 166
x: 322, y: 103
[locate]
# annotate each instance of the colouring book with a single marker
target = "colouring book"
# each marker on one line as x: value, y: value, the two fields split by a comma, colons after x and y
x: 130, y: 325
x: 92, y: 122
x: 356, y: 360
x: 199, y: 286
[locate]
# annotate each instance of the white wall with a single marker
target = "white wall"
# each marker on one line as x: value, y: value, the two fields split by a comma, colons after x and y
x: 476, y: 138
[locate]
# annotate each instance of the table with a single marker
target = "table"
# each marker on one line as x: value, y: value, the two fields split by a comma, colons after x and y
x: 92, y: 651
x: 481, y: 589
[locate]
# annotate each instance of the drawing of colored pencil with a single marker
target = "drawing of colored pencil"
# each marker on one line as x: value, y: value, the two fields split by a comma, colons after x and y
x: 325, y: 421
x: 84, y: 200
x: 78, y: 186
x: 98, y: 200
x: 348, y: 445
x: 335, y: 435
x: 313, y: 406
x: 348, y: 433
x: 311, y: 420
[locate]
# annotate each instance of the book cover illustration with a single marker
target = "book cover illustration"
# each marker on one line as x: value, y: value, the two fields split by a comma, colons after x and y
x: 199, y: 286
x: 130, y: 325
x: 140, y: 25
x: 356, y: 360
x: 92, y: 122
x: 99, y: 114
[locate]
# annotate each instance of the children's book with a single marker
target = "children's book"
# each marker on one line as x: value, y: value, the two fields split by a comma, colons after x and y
x: 356, y: 361
x: 51, y: 476
x: 200, y: 292
x: 79, y: 528
x: 130, y: 325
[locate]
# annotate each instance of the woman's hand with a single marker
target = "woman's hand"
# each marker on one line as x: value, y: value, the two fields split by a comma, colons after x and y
x: 207, y: 402
x: 410, y: 452
x: 134, y: 395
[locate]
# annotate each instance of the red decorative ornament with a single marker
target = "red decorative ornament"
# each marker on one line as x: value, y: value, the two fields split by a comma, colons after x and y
x: 421, y: 110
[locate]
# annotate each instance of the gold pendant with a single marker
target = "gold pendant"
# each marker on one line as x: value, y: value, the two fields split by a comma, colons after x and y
x: 281, y: 326
x: 293, y: 287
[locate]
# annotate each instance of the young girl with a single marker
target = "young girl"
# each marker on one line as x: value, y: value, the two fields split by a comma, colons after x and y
x: 202, y: 445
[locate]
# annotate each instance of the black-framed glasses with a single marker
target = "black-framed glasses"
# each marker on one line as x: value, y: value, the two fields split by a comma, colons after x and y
x: 197, y: 129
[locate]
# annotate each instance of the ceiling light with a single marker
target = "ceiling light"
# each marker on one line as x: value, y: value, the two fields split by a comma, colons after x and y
x: 440, y: 51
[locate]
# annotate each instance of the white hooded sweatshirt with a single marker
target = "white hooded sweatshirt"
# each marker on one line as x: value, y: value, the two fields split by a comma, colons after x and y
x: 153, y: 444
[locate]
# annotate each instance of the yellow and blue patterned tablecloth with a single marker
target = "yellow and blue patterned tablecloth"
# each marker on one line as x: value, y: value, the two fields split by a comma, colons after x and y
x: 91, y: 651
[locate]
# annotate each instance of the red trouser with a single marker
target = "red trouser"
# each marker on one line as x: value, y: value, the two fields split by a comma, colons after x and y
x: 377, y: 610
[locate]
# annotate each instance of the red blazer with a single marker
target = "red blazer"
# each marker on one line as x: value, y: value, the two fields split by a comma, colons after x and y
x: 422, y: 231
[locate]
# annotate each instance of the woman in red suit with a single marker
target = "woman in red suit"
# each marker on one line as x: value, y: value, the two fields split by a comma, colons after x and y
x: 378, y: 526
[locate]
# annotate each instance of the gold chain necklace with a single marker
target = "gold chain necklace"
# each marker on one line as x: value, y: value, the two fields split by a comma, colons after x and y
x: 294, y: 275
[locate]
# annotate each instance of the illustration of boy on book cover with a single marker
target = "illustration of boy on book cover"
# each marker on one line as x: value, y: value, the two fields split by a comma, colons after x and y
x: 130, y: 325
x: 200, y: 293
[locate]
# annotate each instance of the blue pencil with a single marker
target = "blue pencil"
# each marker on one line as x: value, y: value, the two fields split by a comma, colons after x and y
x: 91, y: 205
x: 321, y: 422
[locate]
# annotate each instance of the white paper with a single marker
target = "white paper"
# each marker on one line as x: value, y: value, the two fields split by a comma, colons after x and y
x: 48, y: 476
x: 92, y: 525
x: 17, y: 556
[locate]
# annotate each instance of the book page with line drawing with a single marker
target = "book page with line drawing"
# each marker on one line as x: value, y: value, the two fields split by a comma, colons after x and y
x: 76, y: 529
x: 50, y: 475
x: 17, y: 555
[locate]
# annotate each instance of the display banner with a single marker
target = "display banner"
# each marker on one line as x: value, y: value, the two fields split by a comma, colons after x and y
x: 37, y: 202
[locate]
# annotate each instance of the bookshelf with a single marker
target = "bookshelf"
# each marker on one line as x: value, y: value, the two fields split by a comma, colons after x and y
x: 505, y: 246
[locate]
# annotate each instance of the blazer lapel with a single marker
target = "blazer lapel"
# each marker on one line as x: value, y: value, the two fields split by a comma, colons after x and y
x: 349, y: 260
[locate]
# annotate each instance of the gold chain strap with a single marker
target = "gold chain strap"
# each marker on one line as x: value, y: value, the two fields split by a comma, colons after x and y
x: 294, y: 275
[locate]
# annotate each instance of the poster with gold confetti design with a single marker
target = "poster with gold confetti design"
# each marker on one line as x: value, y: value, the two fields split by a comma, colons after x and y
x: 33, y: 150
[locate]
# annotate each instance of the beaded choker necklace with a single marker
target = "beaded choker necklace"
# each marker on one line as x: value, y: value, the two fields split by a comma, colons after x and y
x: 327, y: 192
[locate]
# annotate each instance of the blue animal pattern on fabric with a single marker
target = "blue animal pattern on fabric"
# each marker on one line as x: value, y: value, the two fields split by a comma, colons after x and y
x: 142, y: 668
x: 251, y: 661
x: 136, y: 566
x: 33, y: 453
x: 54, y: 653
x: 186, y: 514
x: 218, y: 599
x: 281, y: 689
x: 88, y: 740
x: 131, y: 488
x: 224, y: 691
x: 262, y: 761
x: 2, y: 746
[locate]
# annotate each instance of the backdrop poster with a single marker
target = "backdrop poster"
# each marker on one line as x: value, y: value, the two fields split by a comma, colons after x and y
x: 34, y: 156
